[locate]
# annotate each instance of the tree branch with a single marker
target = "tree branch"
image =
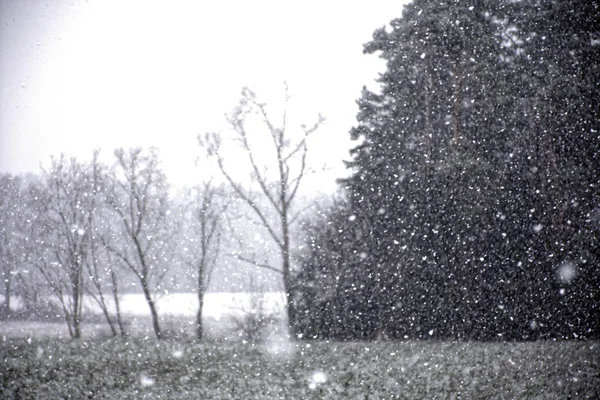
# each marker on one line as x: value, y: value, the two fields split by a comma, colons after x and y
x: 255, y: 263
x: 249, y: 201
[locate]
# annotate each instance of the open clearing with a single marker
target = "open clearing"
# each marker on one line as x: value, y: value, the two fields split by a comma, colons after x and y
x: 279, y: 369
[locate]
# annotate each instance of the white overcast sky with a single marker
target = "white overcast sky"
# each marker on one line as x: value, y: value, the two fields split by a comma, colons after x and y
x: 78, y: 75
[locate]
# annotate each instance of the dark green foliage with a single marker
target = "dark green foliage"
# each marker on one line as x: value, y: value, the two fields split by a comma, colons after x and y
x: 330, y: 296
x: 475, y: 185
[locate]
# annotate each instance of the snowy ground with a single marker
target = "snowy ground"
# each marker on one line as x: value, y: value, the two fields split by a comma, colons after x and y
x: 280, y: 369
x: 38, y: 360
x: 216, y: 305
x: 177, y: 312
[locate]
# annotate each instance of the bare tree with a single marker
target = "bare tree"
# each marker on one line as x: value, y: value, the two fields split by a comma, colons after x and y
x: 12, y: 235
x: 101, y: 275
x: 277, y: 172
x: 51, y: 224
x: 202, y: 246
x: 34, y: 291
x: 139, y: 198
x: 69, y: 203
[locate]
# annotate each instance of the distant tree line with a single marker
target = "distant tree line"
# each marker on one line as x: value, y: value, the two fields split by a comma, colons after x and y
x: 473, y: 206
x: 86, y: 229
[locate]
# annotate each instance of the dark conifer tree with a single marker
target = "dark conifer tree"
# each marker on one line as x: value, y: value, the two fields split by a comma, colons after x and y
x: 424, y: 164
x: 474, y: 191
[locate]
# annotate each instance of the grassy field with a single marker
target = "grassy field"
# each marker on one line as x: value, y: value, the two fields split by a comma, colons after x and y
x: 278, y: 369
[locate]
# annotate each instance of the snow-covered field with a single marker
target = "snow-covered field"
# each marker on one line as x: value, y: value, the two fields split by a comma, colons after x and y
x: 177, y: 312
x: 216, y: 305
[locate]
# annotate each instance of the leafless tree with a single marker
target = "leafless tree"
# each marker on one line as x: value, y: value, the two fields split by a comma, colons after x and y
x: 101, y: 276
x: 202, y: 244
x: 32, y: 288
x: 12, y: 235
x: 69, y: 205
x: 277, y: 171
x: 138, y: 196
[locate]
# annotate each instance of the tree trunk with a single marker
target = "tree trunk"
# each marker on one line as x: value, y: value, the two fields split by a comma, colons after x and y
x: 116, y: 298
x: 199, y: 326
x: 77, y: 305
x: 285, y: 255
x: 287, y: 287
x: 7, y: 285
x: 69, y: 321
x: 107, y: 315
x: 76, y: 327
x: 152, y: 307
x: 201, y: 269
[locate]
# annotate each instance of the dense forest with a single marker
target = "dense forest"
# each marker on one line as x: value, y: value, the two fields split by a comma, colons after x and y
x: 471, y: 210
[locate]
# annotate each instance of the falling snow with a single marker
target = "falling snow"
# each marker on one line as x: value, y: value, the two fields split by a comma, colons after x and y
x: 457, y: 258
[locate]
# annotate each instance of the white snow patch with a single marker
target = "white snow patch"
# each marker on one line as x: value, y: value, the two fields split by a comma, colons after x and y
x: 177, y: 353
x: 567, y: 271
x: 317, y: 378
x: 533, y: 324
x: 146, y: 381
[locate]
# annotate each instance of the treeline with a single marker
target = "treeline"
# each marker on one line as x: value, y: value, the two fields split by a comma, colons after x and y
x: 473, y: 206
x: 471, y: 211
x: 86, y: 228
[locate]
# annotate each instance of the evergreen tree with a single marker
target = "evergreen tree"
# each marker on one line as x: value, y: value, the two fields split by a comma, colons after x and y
x: 558, y: 169
x: 425, y: 163
x: 332, y: 293
x: 475, y: 183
